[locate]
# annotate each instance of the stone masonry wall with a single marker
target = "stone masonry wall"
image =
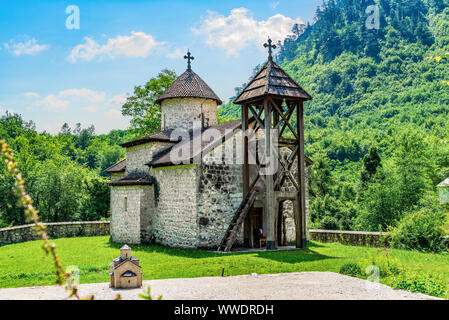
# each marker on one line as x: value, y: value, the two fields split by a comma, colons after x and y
x: 174, y: 222
x: 55, y: 230
x: 355, y: 238
x: 221, y: 188
x: 181, y: 113
x: 220, y: 194
x: 126, y: 214
x: 138, y: 156
x: 147, y: 209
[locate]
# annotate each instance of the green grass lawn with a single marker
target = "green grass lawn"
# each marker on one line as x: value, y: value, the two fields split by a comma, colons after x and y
x: 25, y: 264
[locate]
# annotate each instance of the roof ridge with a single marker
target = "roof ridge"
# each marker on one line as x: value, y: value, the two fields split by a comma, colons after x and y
x: 197, y: 82
x: 268, y: 74
x: 289, y: 77
x: 189, y: 85
x: 282, y: 85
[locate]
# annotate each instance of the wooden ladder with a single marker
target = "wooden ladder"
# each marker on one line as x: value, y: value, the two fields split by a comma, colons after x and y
x: 239, y: 216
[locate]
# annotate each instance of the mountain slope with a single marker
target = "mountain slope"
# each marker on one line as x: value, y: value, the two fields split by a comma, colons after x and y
x: 372, y: 88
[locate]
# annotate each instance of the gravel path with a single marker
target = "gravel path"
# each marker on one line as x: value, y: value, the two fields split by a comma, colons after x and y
x: 291, y: 286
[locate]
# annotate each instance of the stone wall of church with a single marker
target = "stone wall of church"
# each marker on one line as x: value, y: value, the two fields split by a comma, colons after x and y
x: 219, y: 196
x: 220, y: 193
x: 138, y: 156
x: 174, y: 222
x: 181, y: 113
x: 128, y: 205
x: 147, y: 209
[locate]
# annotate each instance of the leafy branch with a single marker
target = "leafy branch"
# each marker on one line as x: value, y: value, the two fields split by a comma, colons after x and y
x: 32, y: 215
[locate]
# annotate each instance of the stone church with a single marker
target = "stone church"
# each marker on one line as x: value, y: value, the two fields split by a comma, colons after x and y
x: 174, y: 187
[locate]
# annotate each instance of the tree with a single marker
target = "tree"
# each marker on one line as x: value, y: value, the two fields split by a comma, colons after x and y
x: 10, y: 212
x: 58, y: 190
x: 96, y: 205
x: 371, y: 161
x: 141, y: 106
x: 65, y: 129
x: 411, y: 163
x: 320, y: 178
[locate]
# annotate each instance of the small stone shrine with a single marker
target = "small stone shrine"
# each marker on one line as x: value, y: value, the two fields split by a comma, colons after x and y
x: 125, y: 270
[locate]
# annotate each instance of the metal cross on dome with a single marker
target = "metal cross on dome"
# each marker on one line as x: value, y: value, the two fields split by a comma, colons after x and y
x: 270, y: 46
x: 189, y: 57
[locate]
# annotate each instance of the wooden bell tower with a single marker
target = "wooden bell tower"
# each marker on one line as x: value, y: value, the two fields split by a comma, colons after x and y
x: 269, y: 102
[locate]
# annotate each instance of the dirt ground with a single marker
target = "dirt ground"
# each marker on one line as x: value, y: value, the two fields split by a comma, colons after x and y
x: 289, y: 286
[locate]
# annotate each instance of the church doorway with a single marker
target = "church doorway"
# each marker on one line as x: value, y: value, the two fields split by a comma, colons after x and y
x: 258, y: 234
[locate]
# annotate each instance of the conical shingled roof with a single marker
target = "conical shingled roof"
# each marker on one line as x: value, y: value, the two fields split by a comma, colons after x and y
x: 189, y: 85
x: 272, y: 80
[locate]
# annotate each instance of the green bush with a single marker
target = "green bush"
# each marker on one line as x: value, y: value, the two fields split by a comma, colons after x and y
x: 420, y: 283
x: 329, y: 223
x: 351, y: 269
x: 421, y: 230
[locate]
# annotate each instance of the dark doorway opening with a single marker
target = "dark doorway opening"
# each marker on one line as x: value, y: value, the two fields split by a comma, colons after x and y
x: 257, y: 228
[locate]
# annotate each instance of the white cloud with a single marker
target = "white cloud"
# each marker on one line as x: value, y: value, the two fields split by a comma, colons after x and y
x: 27, y: 47
x: 118, y: 100
x: 176, y: 54
x: 32, y: 95
x: 83, y: 99
x: 90, y: 109
x: 52, y: 103
x: 113, y: 114
x: 91, y: 95
x: 136, y: 45
x: 234, y: 32
x: 274, y: 5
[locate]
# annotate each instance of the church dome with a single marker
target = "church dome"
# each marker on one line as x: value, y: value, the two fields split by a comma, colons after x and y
x: 189, y: 85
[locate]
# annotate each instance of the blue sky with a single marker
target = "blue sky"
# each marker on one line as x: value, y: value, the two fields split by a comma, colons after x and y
x: 51, y: 75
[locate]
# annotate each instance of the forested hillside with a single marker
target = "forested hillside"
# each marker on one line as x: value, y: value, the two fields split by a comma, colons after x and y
x: 378, y: 125
x: 64, y: 173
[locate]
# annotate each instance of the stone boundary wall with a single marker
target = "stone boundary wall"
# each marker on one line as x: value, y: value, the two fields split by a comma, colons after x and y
x: 101, y: 228
x: 354, y: 238
x: 55, y: 230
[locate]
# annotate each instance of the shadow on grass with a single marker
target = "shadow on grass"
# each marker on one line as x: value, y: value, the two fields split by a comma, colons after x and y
x: 156, y: 248
x: 294, y: 256
x: 285, y: 256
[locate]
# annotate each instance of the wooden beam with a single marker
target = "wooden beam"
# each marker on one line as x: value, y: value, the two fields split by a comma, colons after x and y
x: 257, y: 116
x: 277, y: 224
x: 290, y: 161
x: 289, y: 114
x: 288, y: 141
x: 269, y: 187
x: 301, y: 172
x: 283, y: 117
x: 245, y: 126
x: 256, y: 126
